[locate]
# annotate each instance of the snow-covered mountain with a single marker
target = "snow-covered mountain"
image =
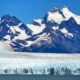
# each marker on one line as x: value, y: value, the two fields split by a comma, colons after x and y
x: 12, y: 29
x: 58, y: 31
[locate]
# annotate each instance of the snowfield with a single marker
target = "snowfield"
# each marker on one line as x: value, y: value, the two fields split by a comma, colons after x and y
x: 39, y: 63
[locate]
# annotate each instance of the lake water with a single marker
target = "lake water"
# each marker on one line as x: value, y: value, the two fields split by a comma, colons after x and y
x: 37, y: 77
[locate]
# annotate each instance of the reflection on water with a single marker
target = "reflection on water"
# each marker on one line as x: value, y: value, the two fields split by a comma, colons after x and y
x: 38, y: 77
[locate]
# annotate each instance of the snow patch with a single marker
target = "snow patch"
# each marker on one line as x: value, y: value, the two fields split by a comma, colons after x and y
x: 55, y: 27
x: 36, y: 29
x: 7, y: 37
x: 4, y: 47
x: 38, y: 20
x: 65, y: 31
x: 55, y: 16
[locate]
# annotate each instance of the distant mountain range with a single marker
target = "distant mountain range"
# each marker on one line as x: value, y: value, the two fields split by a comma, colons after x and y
x: 57, y: 32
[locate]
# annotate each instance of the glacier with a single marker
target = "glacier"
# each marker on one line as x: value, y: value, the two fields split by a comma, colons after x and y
x: 41, y: 63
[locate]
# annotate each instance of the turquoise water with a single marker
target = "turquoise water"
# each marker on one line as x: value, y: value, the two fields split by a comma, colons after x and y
x: 34, y: 77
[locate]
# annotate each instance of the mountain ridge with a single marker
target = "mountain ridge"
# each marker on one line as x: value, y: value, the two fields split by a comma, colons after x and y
x: 57, y: 32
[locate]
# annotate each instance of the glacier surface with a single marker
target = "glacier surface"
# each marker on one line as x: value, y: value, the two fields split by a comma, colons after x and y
x: 33, y: 63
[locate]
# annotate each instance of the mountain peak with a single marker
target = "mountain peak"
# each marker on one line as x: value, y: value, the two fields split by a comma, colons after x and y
x: 38, y: 20
x: 58, y: 15
x: 55, y: 9
x: 10, y: 20
x: 65, y: 8
x: 5, y: 17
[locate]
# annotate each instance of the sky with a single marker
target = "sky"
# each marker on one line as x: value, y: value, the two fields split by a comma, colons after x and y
x: 27, y: 10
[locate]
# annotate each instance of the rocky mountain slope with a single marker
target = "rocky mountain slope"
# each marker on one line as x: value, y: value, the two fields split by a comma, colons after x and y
x: 57, y: 32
